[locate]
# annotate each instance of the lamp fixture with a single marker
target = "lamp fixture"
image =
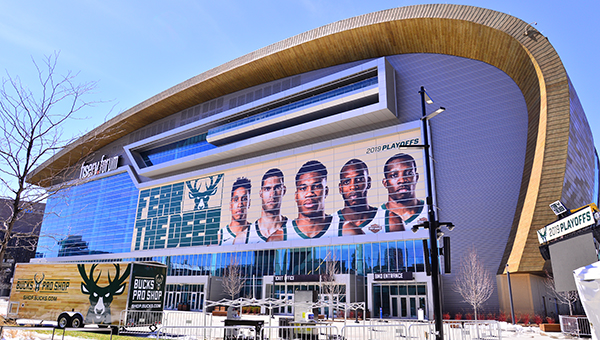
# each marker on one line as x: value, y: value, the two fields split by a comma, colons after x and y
x: 428, y: 99
x: 434, y: 113
x: 416, y: 227
x: 448, y: 225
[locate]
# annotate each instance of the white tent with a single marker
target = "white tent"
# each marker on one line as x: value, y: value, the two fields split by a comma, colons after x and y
x: 588, y: 285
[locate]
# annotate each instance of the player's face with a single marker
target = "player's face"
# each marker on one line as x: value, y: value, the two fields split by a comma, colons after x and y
x: 239, y: 205
x: 354, y: 183
x: 311, y: 190
x: 271, y: 193
x: 401, y: 179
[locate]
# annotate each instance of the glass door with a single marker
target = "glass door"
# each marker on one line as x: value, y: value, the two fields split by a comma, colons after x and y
x: 194, y: 301
x: 394, y: 305
x: 169, y: 304
x: 177, y: 299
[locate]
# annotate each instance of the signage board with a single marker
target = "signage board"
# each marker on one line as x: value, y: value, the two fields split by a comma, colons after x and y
x: 576, y: 221
x: 297, y: 278
x: 558, y: 208
x: 147, y: 287
x: 401, y: 276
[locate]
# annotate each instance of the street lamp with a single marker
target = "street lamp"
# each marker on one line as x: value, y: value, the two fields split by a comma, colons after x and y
x: 512, y: 308
x: 432, y: 223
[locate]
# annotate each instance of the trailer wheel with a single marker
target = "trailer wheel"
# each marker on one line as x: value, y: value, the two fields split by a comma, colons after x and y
x: 77, y: 321
x: 63, y: 320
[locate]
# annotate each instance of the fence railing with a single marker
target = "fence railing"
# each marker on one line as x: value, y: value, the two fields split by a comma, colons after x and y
x: 207, y: 332
x: 180, y: 318
x: 378, y: 330
x: 302, y: 331
x: 140, y: 321
x: 191, y: 326
x: 578, y: 326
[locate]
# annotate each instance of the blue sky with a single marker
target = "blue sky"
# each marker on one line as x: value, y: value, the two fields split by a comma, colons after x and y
x: 136, y: 49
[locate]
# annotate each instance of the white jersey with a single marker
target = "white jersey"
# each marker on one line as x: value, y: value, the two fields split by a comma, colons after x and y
x: 417, y: 218
x: 226, y: 236
x: 294, y: 233
x: 256, y: 236
x: 378, y: 222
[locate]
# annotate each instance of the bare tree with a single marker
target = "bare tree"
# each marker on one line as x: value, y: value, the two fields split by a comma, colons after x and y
x: 233, y: 280
x: 567, y: 297
x: 329, y: 287
x: 474, y: 283
x: 31, y: 132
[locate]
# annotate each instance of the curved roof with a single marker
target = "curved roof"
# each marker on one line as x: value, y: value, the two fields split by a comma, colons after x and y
x: 499, y: 39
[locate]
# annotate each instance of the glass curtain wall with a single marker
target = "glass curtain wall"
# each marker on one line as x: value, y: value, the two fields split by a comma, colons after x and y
x: 359, y: 259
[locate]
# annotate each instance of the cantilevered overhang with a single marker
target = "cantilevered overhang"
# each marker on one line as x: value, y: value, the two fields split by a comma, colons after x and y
x: 476, y: 33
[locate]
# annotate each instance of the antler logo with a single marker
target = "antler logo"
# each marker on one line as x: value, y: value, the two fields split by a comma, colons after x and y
x: 542, y: 233
x: 159, y: 279
x: 38, y: 282
x: 200, y: 196
x: 101, y: 297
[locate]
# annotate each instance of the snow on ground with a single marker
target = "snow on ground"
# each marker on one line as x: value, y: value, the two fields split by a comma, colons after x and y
x: 524, y: 333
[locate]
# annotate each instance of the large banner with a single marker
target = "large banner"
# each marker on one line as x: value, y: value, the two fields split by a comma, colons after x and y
x: 370, y: 186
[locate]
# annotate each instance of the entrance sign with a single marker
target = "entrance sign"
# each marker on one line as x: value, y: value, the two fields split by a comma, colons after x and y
x: 393, y: 276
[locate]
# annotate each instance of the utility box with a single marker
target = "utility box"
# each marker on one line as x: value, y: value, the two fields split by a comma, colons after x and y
x: 303, y: 305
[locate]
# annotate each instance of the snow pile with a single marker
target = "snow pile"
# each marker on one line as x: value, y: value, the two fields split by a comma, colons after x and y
x: 20, y: 334
x: 17, y: 334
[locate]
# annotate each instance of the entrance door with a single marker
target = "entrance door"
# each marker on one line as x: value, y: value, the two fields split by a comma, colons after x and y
x: 394, y: 305
x: 406, y: 300
x: 170, y: 304
x: 407, y: 306
x: 177, y: 299
x: 194, y: 301
x: 290, y: 298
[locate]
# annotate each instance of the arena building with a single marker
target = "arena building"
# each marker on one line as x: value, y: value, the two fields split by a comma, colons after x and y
x: 309, y: 152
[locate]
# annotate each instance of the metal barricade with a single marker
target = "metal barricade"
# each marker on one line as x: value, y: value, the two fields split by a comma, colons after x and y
x: 206, y: 332
x: 578, y: 326
x: 477, y: 330
x: 453, y: 329
x: 180, y: 318
x: 140, y: 321
x: 377, y: 330
x: 304, y: 331
x: 420, y: 330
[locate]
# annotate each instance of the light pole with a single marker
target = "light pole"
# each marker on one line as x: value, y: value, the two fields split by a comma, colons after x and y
x: 432, y: 223
x: 512, y: 308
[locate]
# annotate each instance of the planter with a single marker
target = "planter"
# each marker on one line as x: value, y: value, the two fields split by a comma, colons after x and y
x: 550, y: 327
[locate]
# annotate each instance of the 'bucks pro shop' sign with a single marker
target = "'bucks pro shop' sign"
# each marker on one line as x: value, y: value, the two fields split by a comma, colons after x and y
x: 579, y: 220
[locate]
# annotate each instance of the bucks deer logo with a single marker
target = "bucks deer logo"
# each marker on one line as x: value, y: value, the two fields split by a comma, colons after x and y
x: 542, y: 233
x: 159, y: 279
x: 101, y: 297
x: 38, y: 282
x: 201, y: 190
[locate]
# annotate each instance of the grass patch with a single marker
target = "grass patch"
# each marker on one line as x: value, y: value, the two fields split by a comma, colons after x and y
x: 85, y: 335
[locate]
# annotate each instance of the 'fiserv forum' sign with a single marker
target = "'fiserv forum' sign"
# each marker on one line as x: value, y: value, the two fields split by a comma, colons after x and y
x: 99, y: 167
x: 576, y: 221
